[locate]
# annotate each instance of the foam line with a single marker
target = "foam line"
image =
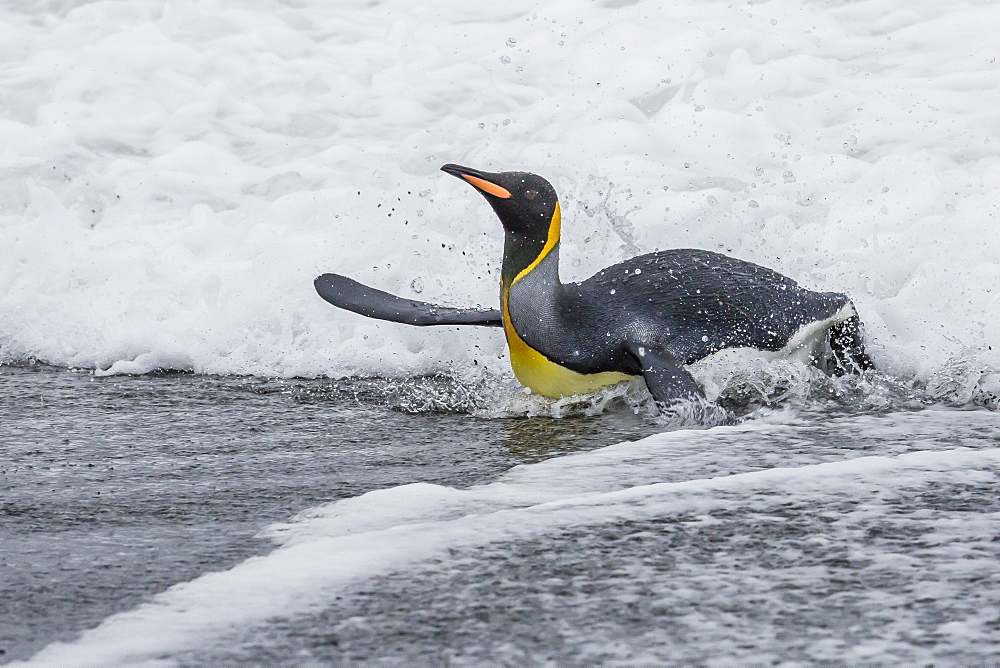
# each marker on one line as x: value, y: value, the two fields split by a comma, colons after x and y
x: 172, y: 179
x: 304, y: 574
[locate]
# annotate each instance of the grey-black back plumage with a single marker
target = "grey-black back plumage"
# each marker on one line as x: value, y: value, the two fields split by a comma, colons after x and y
x: 689, y: 302
x: 709, y: 301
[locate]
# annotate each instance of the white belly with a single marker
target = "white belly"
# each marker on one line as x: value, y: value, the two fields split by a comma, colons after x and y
x: 804, y: 346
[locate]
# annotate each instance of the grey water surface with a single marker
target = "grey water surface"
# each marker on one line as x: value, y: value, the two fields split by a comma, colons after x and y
x: 113, y: 489
x: 819, y: 565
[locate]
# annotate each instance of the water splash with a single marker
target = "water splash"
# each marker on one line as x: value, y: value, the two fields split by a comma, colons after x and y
x: 752, y: 389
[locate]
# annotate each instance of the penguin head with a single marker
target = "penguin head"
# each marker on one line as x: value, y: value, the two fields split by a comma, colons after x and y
x: 524, y: 202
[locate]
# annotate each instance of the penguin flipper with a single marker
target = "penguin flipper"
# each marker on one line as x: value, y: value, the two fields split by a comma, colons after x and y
x: 348, y: 294
x: 666, y: 379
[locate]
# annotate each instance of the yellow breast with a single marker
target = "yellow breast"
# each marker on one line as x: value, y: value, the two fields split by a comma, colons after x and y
x: 545, y: 377
x: 533, y: 369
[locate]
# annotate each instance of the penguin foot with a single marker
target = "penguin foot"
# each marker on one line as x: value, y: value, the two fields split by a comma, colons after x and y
x: 848, y: 346
x: 667, y: 380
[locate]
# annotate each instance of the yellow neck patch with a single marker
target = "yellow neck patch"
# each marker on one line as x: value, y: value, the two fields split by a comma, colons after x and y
x: 532, y: 368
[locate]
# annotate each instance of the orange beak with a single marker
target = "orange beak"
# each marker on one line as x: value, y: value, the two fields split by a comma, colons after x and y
x: 480, y: 180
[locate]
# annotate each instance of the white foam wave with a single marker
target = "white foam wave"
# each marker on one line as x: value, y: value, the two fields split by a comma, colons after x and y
x: 173, y: 176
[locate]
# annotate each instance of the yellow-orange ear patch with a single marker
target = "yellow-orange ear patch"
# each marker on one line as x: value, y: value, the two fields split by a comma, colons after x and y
x: 487, y: 187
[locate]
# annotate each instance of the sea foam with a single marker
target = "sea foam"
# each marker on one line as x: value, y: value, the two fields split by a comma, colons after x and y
x: 172, y: 177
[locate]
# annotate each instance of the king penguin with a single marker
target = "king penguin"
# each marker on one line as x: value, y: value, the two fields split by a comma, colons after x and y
x: 650, y: 315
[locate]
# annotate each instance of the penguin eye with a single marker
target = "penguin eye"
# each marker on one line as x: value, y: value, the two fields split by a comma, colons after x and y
x: 531, y: 194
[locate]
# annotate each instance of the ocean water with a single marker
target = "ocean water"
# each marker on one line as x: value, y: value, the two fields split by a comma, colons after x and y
x: 201, y: 520
x: 204, y: 462
x: 116, y: 488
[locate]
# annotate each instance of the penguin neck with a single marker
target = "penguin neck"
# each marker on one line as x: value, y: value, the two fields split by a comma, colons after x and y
x: 522, y: 255
x: 520, y: 261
